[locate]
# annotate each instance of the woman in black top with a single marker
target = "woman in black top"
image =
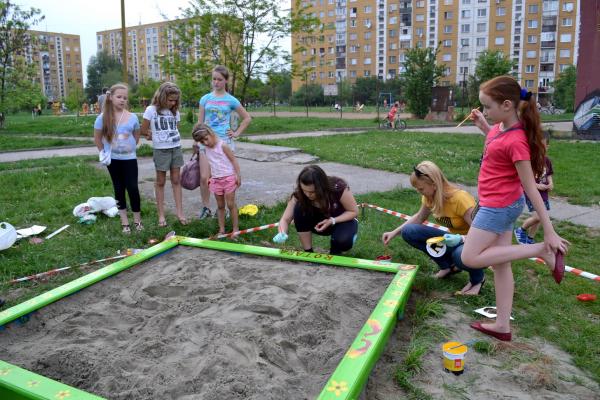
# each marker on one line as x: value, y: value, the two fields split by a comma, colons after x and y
x: 323, y: 205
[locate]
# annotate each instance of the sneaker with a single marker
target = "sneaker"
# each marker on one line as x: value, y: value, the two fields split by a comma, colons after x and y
x: 530, y: 240
x: 205, y: 213
x: 521, y: 236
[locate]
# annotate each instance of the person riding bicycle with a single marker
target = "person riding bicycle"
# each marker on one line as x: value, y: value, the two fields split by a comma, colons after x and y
x: 392, y: 114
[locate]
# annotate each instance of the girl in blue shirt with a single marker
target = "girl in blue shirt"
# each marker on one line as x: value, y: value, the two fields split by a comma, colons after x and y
x: 215, y: 111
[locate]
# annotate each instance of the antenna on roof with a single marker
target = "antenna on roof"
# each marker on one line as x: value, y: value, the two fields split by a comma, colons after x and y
x: 139, y: 23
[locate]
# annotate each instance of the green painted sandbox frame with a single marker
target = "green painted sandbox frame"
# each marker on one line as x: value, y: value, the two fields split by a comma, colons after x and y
x: 346, y: 382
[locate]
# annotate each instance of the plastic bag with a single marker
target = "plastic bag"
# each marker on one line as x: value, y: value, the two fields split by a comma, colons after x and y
x: 104, y: 157
x: 82, y: 209
x: 8, y: 235
x: 111, y: 212
x: 190, y: 173
x: 101, y: 203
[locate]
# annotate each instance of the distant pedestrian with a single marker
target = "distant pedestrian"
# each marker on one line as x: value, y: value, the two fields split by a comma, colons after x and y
x: 116, y: 134
x: 102, y: 99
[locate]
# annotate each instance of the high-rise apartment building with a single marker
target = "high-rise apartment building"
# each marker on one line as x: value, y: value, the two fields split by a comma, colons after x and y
x: 362, y: 38
x: 59, y: 58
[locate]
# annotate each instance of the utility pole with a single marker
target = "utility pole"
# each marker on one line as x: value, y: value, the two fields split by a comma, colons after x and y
x: 123, y: 41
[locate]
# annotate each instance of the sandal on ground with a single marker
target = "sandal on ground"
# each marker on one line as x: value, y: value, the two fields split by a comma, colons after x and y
x: 162, y: 223
x: 504, y: 336
x: 446, y: 272
x: 559, y: 267
x: 138, y: 226
x: 183, y: 221
x: 463, y: 292
x: 126, y: 229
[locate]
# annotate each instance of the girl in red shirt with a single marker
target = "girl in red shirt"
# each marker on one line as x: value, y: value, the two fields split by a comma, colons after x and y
x: 513, y: 155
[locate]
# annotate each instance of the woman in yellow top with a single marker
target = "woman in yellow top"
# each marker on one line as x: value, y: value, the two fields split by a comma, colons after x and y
x: 451, y: 207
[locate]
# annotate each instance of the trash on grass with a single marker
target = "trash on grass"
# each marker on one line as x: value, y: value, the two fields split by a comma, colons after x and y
x: 489, y: 312
x: 56, y: 232
x: 8, y: 235
x: 31, y: 231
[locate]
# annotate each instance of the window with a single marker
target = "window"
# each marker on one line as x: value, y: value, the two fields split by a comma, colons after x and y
x: 367, y: 35
x: 531, y: 38
x: 448, y: 2
x: 565, y: 37
x: 532, y: 23
x: 392, y: 59
x: 481, y: 12
x: 500, y: 11
x: 565, y: 53
x: 532, y: 9
x: 480, y: 42
x: 367, y: 61
x: 392, y: 33
x: 500, y: 26
x: 447, y: 57
x: 530, y: 68
x: 465, y: 28
x: 330, y: 13
x: 464, y: 70
x: 481, y: 27
x: 499, y: 41
x: 531, y: 54
x: 567, y: 22
x: 353, y: 36
x: 352, y: 23
x: 367, y: 9
x: 352, y: 74
x: 568, y: 7
x: 393, y: 7
x: 353, y: 49
x: 464, y: 42
x: 529, y: 83
x: 562, y: 67
x: 419, y: 32
x: 466, y: 1
x: 464, y: 56
x: 465, y: 14
x: 420, y: 4
x: 448, y: 29
x: 367, y: 72
x: 353, y: 61
x: 367, y: 23
x: 419, y: 17
x: 367, y: 48
x: 448, y: 15
x: 447, y: 43
x: 393, y: 20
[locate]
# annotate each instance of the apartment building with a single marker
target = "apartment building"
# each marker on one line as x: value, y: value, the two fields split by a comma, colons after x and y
x: 58, y: 56
x: 362, y: 38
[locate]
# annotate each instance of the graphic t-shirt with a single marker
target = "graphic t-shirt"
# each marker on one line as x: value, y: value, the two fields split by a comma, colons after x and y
x: 163, y: 123
x: 452, y: 215
x: 543, y: 179
x: 123, y: 145
x: 217, y: 112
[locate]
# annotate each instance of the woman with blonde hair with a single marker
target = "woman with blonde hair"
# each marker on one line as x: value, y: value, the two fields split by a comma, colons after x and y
x: 450, y: 207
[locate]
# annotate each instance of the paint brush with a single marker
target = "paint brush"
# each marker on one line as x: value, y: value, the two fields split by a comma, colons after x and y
x: 466, y: 118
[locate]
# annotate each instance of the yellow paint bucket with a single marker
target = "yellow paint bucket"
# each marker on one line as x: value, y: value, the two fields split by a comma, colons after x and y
x: 454, y: 357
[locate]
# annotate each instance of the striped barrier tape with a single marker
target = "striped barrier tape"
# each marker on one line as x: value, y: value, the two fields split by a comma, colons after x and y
x: 572, y: 270
x: 403, y: 216
x: 249, y: 230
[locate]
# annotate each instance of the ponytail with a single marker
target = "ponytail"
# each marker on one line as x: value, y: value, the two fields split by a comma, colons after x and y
x: 108, y: 114
x: 530, y: 117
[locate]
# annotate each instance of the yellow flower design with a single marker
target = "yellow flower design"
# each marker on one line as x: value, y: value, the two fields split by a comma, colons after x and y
x: 63, y: 394
x: 388, y: 314
x: 4, y: 371
x: 338, y: 388
x: 390, y: 303
x: 32, y: 384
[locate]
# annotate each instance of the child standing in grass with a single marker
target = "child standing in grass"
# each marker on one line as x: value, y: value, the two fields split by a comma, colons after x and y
x: 512, y: 156
x: 224, y: 178
x: 116, y: 135
x: 161, y: 125
x: 544, y: 184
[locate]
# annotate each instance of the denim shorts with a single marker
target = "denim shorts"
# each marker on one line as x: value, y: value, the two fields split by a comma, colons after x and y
x: 530, y: 206
x: 498, y: 219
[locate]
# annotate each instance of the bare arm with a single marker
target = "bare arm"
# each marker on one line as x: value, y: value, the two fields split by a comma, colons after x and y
x: 288, y: 215
x: 479, y: 120
x: 145, y: 129
x: 350, y: 211
x: 551, y: 239
x: 201, y: 112
x: 98, y: 139
x: 417, y: 218
x: 246, y: 118
x: 233, y: 160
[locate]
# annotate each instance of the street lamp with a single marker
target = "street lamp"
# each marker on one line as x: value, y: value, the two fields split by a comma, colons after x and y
x: 306, y: 90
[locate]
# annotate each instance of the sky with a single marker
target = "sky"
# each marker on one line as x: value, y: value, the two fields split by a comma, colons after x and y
x: 85, y: 18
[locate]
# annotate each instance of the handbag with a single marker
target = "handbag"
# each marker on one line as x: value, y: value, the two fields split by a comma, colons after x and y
x: 190, y: 173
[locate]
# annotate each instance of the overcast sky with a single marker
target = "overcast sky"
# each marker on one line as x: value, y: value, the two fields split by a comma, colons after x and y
x: 86, y: 17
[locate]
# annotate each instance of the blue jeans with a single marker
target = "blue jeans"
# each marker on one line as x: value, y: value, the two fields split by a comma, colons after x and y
x: 416, y: 235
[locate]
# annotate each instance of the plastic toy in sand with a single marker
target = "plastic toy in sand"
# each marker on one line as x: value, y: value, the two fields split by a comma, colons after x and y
x: 248, y: 209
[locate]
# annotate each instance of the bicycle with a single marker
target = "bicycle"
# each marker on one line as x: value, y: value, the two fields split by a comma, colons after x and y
x: 386, y: 124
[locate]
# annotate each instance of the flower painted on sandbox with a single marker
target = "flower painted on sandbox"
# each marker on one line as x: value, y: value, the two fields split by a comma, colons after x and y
x: 338, y: 388
x: 4, y: 371
x: 390, y: 303
x: 388, y: 314
x: 33, y: 384
x: 63, y: 394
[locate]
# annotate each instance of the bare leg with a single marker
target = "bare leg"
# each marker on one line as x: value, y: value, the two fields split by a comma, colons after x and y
x: 159, y: 191
x: 177, y: 195
x: 305, y: 240
x: 233, y: 211
x: 532, y: 224
x: 221, y: 212
x: 505, y: 289
x: 204, y: 174
x: 123, y: 216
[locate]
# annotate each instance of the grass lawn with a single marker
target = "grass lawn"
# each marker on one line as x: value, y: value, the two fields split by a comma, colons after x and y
x: 44, y: 192
x: 16, y: 142
x: 457, y: 154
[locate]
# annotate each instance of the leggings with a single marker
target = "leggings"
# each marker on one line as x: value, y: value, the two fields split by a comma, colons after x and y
x: 342, y: 234
x: 124, y: 175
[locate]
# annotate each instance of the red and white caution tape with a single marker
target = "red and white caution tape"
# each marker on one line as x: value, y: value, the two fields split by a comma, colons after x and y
x: 403, y: 216
x: 572, y: 270
x: 249, y: 230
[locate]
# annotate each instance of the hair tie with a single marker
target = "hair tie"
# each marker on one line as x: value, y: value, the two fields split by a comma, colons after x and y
x: 525, y: 95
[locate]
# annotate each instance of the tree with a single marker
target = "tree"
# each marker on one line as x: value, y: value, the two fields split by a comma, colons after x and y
x: 14, y: 39
x: 103, y: 70
x: 564, y: 89
x: 365, y: 90
x: 490, y: 64
x: 75, y: 98
x: 21, y: 88
x: 422, y: 73
x: 312, y: 94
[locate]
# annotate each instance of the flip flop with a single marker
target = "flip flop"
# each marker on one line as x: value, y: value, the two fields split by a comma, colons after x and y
x: 162, y: 223
x: 183, y: 221
x: 559, y: 267
x: 504, y: 336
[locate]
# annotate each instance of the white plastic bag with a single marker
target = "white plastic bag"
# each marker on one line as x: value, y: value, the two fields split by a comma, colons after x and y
x: 82, y: 209
x: 8, y: 235
x: 104, y: 157
x: 101, y: 203
x: 111, y: 212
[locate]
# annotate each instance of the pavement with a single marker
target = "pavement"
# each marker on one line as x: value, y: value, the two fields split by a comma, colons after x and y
x: 269, y: 174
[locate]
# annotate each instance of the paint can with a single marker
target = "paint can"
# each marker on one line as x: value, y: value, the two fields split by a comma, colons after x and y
x: 454, y: 357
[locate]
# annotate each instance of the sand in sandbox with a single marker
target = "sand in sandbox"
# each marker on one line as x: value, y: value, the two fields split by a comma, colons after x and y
x: 201, y: 324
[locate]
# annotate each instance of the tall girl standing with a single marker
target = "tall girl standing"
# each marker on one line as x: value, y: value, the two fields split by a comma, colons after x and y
x: 116, y: 135
x: 161, y: 125
x: 513, y: 156
x: 215, y: 111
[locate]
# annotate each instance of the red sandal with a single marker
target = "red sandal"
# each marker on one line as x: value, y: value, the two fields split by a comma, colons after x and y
x: 504, y: 336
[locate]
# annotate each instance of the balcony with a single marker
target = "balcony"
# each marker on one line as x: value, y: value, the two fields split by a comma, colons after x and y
x: 549, y: 43
x: 549, y: 28
x: 548, y: 59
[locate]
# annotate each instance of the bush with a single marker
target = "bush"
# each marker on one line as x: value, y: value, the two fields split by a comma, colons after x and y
x: 189, y: 116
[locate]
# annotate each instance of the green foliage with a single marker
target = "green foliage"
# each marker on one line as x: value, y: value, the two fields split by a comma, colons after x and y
x: 142, y: 93
x: 14, y: 39
x: 189, y: 116
x: 311, y: 94
x: 75, y: 98
x: 102, y: 70
x: 490, y: 64
x: 564, y: 89
x: 21, y: 88
x: 422, y: 73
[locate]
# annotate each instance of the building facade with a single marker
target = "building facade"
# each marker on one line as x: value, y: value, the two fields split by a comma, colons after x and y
x: 362, y: 38
x: 58, y: 56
